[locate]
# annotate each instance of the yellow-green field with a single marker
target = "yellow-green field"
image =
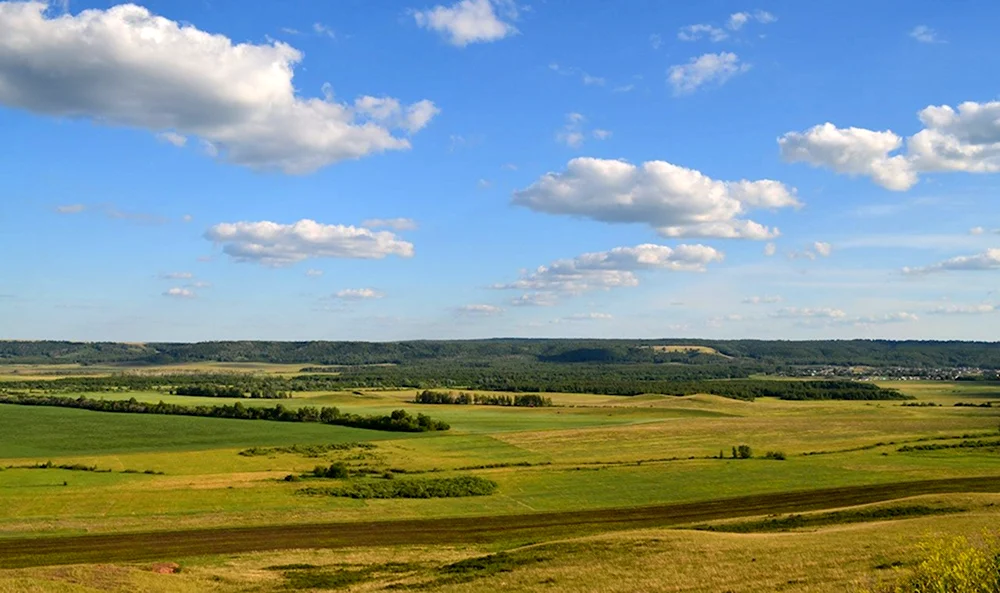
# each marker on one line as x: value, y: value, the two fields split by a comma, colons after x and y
x: 587, y: 452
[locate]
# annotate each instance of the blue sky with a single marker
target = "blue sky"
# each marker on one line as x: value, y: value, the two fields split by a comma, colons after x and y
x: 193, y: 170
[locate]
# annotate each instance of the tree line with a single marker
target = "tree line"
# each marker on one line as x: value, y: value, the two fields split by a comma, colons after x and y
x: 530, y: 400
x: 397, y: 421
x: 535, y: 378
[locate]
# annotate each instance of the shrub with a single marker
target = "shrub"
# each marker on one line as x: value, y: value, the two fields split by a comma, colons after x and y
x: 779, y: 455
x: 744, y: 452
x: 336, y: 470
x: 953, y: 566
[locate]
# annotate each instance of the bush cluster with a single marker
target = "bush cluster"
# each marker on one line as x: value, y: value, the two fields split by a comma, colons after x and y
x: 458, y: 486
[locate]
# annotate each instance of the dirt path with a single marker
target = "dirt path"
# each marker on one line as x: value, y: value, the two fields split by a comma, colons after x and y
x: 172, y: 545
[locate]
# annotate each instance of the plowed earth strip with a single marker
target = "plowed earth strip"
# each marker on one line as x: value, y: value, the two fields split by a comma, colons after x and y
x: 170, y: 545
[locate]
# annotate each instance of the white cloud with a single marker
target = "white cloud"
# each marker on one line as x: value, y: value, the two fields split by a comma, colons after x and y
x: 111, y: 211
x: 180, y: 293
x: 313, y: 273
x: 676, y: 201
x: 897, y: 317
x: 200, y: 284
x: 358, y: 294
x: 177, y: 276
x: 612, y: 269
x: 987, y: 260
x: 965, y: 140
x: 535, y: 299
x: 980, y: 309
x: 576, y: 317
x: 817, y: 249
x: 469, y: 21
x: 696, y: 32
x: 655, y: 41
x: 571, y: 134
x: 625, y: 88
x: 187, y: 218
x: 761, y: 300
x: 807, y: 313
x: 324, y: 30
x: 925, y: 34
x: 479, y: 310
x: 720, y: 320
x: 274, y: 244
x: 977, y: 230
x: 396, y: 224
x: 124, y: 66
x: 705, y: 69
x: 585, y: 78
x: 854, y: 151
x: 601, y: 134
x: 738, y: 19
x: 770, y: 249
x: 484, y: 183
x: 174, y: 138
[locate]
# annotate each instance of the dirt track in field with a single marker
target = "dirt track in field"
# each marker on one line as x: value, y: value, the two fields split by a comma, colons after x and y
x: 171, y: 545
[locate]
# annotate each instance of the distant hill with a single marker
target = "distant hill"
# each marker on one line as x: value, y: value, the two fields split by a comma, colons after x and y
x: 879, y: 353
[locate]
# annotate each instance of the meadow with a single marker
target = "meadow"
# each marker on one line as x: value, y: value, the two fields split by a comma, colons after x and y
x: 593, y: 456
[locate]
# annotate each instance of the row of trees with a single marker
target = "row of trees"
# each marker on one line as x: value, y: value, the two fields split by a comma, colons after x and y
x: 476, y: 399
x: 257, y: 390
x: 533, y: 378
x: 397, y: 421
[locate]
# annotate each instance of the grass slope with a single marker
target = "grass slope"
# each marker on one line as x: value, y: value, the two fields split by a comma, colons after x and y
x: 52, y: 432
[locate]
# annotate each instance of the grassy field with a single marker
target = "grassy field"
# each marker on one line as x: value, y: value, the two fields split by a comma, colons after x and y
x: 587, y: 453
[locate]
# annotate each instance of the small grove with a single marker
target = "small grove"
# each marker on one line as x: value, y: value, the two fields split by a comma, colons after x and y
x: 475, y: 399
x: 397, y: 421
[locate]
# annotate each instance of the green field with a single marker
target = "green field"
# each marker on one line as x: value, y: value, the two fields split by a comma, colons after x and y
x: 586, y: 454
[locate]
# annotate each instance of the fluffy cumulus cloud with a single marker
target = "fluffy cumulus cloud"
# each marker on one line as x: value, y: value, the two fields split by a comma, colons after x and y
x: 705, y: 69
x: 275, y: 244
x: 470, y: 21
x: 770, y: 249
x: 676, y: 201
x: 966, y: 139
x: 987, y: 260
x: 125, y: 66
x: 479, y: 310
x: 611, y: 269
x: 358, y: 294
x: 396, y: 224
